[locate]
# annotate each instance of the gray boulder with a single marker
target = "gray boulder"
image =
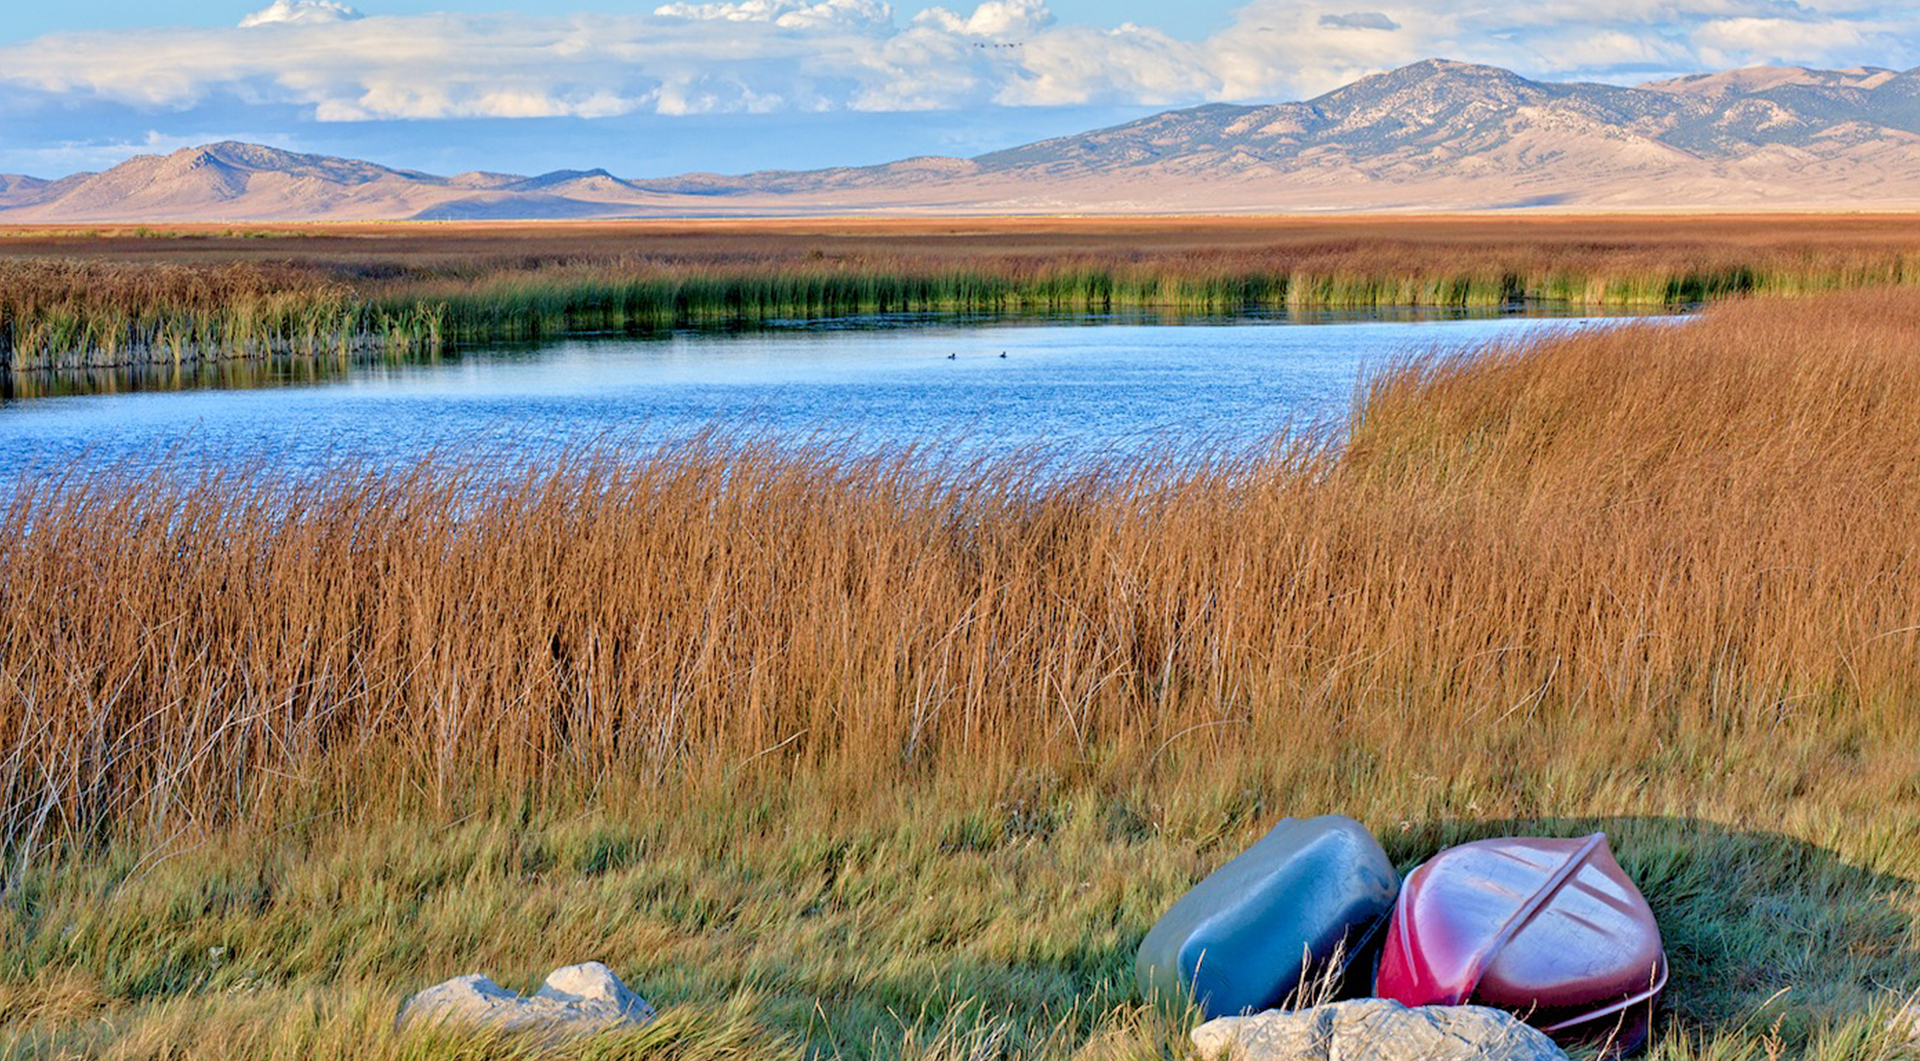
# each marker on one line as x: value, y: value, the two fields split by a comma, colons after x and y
x: 1375, y: 1029
x: 575, y: 1000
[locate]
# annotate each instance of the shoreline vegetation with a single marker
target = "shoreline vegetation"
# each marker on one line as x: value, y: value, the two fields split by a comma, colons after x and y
x: 115, y: 298
x: 841, y: 755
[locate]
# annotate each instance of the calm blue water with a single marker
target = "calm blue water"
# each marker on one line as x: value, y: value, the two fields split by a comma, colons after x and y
x: 1086, y: 386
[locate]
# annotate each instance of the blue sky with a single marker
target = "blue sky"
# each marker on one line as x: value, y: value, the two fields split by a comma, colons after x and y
x: 667, y: 86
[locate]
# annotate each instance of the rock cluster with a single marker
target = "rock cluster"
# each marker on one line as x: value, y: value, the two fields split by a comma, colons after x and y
x: 1375, y: 1029
x: 576, y: 999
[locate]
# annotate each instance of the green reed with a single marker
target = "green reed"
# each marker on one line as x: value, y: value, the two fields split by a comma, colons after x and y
x: 72, y: 315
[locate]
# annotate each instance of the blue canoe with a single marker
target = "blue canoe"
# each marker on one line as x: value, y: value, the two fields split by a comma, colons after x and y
x: 1242, y: 940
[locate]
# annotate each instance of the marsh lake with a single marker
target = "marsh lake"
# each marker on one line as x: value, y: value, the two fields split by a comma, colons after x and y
x: 1086, y: 385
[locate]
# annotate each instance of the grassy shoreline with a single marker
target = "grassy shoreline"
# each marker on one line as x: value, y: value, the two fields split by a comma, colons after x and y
x: 78, y: 301
x: 867, y: 757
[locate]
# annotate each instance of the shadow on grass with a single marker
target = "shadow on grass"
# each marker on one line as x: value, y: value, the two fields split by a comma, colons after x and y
x: 1771, y: 939
x: 1763, y: 932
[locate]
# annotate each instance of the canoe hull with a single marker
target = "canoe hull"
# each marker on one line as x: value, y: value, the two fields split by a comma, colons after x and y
x: 1551, y: 930
x: 1240, y: 941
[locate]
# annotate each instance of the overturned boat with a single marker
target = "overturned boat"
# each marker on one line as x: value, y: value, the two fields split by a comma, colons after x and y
x: 1244, y: 938
x: 1550, y: 930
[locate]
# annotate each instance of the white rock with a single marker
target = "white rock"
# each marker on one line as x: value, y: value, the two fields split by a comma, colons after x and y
x: 592, y: 988
x: 471, y: 999
x: 1375, y: 1029
x: 576, y: 999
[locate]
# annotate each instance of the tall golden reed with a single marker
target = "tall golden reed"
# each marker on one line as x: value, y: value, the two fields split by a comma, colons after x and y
x: 1616, y: 538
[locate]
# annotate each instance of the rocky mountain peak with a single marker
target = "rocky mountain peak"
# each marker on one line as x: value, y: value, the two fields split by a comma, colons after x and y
x: 1433, y: 77
x: 1437, y: 95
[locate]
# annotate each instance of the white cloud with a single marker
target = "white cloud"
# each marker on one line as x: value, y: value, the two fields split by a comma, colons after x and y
x: 996, y: 18
x: 1773, y: 39
x: 764, y: 56
x: 686, y: 58
x: 300, y: 11
x: 788, y: 14
x: 1611, y: 49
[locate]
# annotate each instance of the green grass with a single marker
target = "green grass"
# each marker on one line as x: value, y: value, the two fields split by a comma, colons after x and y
x: 788, y: 917
x: 561, y: 300
x: 71, y: 314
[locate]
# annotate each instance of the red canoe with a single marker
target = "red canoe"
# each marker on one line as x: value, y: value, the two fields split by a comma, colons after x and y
x: 1551, y: 930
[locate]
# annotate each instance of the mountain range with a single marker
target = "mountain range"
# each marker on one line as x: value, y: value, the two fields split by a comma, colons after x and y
x: 1436, y: 135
